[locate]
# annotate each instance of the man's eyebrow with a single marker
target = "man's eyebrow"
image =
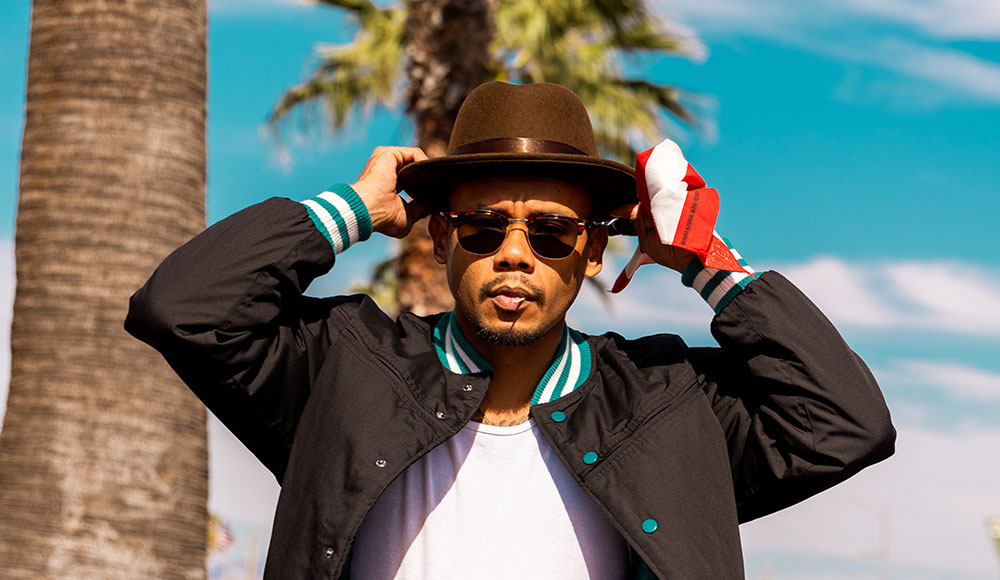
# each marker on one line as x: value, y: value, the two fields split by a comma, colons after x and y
x: 482, y: 206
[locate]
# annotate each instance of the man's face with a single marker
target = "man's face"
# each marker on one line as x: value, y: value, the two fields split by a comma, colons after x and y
x: 513, y: 297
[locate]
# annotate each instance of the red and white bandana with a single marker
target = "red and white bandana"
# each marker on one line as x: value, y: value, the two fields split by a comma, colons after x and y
x: 683, y: 211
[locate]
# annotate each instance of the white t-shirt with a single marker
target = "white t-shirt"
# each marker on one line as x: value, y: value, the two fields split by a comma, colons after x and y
x: 491, y: 502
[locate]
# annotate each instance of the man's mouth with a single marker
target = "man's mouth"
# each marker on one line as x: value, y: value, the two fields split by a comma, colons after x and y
x: 508, y: 302
x: 507, y: 298
x: 511, y: 293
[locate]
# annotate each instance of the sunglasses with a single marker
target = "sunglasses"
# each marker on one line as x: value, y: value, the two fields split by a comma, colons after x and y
x: 482, y: 232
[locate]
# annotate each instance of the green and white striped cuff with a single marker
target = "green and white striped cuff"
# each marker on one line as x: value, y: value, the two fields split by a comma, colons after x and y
x: 341, y: 216
x: 718, y: 287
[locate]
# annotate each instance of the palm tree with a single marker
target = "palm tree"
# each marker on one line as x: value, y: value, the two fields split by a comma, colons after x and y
x: 103, y: 461
x: 447, y: 47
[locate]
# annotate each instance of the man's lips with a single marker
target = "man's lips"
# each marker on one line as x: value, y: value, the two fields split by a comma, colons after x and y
x: 508, y: 298
x: 507, y: 302
x: 511, y: 292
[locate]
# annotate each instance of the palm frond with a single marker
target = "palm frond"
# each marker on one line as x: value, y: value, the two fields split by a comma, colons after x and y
x: 618, y: 14
x: 353, y: 78
x: 356, y: 6
x: 664, y: 96
x: 603, y: 292
x: 645, y: 35
x: 613, y: 144
x: 382, y: 285
x: 579, y: 44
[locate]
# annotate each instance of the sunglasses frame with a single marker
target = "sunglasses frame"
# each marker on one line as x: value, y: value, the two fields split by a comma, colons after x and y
x: 581, y: 225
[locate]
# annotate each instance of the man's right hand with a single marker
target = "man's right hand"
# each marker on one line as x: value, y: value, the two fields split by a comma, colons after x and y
x: 377, y: 188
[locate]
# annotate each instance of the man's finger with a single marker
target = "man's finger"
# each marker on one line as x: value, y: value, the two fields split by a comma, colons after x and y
x: 629, y: 211
x: 407, y: 155
x: 417, y: 209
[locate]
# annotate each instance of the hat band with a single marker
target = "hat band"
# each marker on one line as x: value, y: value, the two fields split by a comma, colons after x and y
x: 516, y: 145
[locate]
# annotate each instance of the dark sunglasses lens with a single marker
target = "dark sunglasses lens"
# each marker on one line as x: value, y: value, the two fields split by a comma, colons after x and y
x: 481, y: 234
x: 552, y: 237
x: 484, y: 234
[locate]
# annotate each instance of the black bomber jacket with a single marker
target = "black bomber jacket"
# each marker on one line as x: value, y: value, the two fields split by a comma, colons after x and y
x: 337, y: 399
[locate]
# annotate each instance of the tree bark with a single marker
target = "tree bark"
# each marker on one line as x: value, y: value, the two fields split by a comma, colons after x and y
x: 448, y: 56
x: 103, y: 461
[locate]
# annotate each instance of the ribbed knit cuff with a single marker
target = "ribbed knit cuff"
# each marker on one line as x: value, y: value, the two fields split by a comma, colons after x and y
x: 341, y: 216
x: 718, y: 287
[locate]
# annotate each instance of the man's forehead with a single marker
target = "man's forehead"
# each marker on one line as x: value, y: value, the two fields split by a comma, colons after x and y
x: 533, y: 193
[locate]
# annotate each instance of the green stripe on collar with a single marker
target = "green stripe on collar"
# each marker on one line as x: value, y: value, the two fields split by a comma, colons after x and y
x: 569, y: 368
x: 454, y: 351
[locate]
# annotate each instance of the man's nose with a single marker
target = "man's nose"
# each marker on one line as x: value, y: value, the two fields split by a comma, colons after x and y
x: 515, y: 251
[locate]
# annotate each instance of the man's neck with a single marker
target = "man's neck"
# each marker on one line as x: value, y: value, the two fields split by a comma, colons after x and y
x: 517, y: 371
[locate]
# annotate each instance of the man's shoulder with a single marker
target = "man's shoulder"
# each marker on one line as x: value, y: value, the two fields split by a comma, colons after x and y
x: 649, y: 370
x: 358, y: 315
x: 655, y: 349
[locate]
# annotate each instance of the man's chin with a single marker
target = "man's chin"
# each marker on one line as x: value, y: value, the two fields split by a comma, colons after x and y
x: 509, y: 337
x: 507, y: 328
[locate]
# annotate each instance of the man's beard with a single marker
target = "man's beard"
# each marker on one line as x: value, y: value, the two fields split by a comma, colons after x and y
x: 508, y: 336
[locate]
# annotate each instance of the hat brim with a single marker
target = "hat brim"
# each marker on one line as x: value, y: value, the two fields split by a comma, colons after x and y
x: 611, y: 183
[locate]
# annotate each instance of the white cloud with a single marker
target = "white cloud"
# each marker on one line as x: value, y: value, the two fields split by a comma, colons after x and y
x: 941, y: 296
x: 870, y: 32
x: 954, y: 19
x: 924, y: 510
x: 763, y: 16
x: 953, y: 295
x: 654, y: 301
x: 962, y: 19
x: 959, y: 380
x: 836, y: 287
x: 952, y: 71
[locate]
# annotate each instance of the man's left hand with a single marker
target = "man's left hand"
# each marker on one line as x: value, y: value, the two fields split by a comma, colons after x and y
x: 670, y: 256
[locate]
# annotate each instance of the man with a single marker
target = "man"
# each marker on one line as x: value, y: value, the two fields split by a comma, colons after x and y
x: 494, y: 441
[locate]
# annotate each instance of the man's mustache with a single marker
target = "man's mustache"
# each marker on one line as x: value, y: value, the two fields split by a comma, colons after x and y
x: 535, y: 292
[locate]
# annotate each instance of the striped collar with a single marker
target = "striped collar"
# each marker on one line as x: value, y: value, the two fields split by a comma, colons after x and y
x: 569, y: 369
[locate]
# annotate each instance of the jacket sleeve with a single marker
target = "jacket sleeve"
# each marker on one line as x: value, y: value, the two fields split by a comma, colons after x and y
x: 800, y: 410
x: 226, y: 311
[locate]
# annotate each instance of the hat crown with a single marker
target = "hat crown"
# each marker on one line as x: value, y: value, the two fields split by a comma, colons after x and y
x: 541, y: 111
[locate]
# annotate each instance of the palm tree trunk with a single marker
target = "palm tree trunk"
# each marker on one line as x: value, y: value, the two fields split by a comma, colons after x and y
x: 103, y: 462
x: 449, y: 55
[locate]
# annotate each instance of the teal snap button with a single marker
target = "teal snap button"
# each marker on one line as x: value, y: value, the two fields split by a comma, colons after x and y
x: 558, y: 416
x: 590, y: 458
x: 649, y: 526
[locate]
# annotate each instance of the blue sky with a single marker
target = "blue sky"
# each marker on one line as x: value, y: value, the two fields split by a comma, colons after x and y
x: 856, y: 148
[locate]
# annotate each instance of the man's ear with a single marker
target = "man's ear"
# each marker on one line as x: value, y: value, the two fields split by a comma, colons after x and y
x: 438, y: 229
x: 594, y: 250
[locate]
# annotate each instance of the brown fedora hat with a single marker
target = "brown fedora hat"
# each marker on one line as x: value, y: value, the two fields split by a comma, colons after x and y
x: 536, y: 130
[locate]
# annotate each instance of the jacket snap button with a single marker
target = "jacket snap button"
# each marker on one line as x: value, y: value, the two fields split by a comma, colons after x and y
x: 590, y: 458
x: 558, y: 416
x: 328, y: 553
x: 439, y: 414
x: 380, y: 463
x: 467, y: 388
x: 649, y: 526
